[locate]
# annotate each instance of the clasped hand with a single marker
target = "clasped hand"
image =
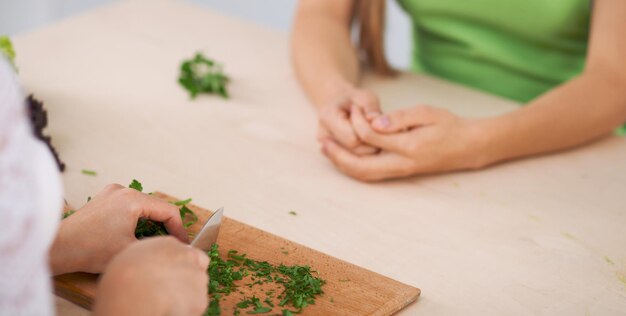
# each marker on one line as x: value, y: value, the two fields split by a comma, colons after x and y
x: 370, y: 146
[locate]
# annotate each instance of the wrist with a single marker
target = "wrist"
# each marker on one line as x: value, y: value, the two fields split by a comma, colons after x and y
x: 61, y: 261
x: 334, y: 90
x: 65, y: 254
x: 484, y: 135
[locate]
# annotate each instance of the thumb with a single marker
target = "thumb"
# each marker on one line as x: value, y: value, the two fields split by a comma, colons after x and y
x: 404, y: 119
x: 368, y: 101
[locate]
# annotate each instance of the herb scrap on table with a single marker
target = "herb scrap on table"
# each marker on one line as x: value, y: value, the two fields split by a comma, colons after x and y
x: 203, y: 75
x: 89, y: 172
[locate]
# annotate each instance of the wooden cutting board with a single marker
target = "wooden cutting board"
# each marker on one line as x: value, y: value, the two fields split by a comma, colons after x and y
x: 350, y: 290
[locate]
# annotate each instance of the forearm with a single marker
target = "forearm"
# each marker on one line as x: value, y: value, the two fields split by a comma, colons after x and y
x: 324, y: 57
x: 577, y: 112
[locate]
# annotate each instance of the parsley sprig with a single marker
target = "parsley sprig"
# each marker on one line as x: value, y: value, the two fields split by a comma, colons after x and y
x: 203, y: 75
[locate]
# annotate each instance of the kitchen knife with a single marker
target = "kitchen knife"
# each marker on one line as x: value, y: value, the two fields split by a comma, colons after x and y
x: 208, y: 234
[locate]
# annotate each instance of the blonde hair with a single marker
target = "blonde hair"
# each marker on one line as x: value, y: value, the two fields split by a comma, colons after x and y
x: 370, y: 17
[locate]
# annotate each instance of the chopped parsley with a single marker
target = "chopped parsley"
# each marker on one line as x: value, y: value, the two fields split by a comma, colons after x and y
x: 297, y: 286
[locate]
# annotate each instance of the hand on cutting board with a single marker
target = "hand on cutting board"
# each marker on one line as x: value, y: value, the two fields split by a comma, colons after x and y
x: 155, y: 276
x: 88, y: 239
x: 417, y: 140
x: 335, y: 124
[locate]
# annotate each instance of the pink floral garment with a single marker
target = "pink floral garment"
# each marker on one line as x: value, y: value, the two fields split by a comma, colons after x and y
x: 30, y: 203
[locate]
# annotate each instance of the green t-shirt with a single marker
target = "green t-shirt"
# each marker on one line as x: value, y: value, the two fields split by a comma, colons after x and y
x: 517, y: 49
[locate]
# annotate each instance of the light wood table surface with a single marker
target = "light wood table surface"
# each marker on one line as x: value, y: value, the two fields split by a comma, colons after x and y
x: 544, y: 236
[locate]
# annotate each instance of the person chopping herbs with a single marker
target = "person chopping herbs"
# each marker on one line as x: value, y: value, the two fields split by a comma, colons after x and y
x: 563, y: 59
x: 155, y: 276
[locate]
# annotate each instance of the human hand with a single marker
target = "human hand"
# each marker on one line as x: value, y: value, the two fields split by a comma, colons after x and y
x: 416, y: 140
x: 88, y: 239
x: 335, y: 124
x: 155, y: 276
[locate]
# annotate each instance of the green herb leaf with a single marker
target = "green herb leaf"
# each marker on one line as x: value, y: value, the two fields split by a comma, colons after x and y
x: 260, y: 310
x: 184, y: 211
x: 89, y: 172
x: 213, y: 309
x: 136, y: 185
x: 6, y: 48
x: 293, y: 213
x: 68, y: 214
x: 182, y: 202
x: 243, y: 304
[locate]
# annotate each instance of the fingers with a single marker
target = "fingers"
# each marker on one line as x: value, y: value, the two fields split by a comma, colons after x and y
x: 368, y: 168
x: 174, y: 249
x: 398, y: 143
x: 364, y: 150
x: 195, y: 292
x: 162, y: 270
x: 161, y: 211
x: 368, y: 101
x: 201, y: 258
x: 408, y: 118
x: 322, y: 133
x: 360, y: 150
x: 336, y: 123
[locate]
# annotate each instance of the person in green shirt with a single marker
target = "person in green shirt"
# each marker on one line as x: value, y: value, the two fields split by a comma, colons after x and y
x: 563, y: 59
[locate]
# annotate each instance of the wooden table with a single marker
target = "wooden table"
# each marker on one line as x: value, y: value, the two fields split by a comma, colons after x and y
x: 543, y: 236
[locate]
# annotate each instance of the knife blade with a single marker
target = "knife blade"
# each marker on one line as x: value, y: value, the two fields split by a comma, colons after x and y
x: 208, y: 234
